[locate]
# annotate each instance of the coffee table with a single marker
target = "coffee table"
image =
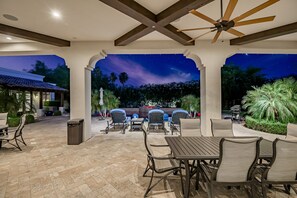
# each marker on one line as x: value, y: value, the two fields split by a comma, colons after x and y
x: 136, y: 124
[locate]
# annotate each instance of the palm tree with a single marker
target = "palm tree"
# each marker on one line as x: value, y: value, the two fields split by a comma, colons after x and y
x: 274, y: 102
x: 191, y: 103
x: 110, y: 100
x: 95, y: 101
x: 123, y: 77
x: 113, y: 77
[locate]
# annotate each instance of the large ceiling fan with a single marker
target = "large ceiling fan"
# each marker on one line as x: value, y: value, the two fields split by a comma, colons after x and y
x: 225, y: 24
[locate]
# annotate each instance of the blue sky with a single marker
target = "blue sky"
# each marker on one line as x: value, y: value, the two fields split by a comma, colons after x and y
x: 273, y: 65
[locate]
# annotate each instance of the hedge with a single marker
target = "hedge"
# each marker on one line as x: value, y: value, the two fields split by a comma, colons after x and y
x: 13, y: 121
x: 57, y: 113
x: 52, y: 103
x: 266, y: 126
x: 30, y: 119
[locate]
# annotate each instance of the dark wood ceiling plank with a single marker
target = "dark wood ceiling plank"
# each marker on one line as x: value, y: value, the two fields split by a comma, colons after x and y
x: 133, y: 35
x: 267, y: 34
x: 178, y: 10
x: 34, y: 36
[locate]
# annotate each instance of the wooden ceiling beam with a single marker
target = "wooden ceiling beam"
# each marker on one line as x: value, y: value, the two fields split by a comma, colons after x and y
x: 34, y: 36
x: 267, y: 34
x: 151, y: 22
x: 178, y: 10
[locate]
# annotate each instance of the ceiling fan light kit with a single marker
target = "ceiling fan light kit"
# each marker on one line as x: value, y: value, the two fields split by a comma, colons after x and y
x: 225, y: 24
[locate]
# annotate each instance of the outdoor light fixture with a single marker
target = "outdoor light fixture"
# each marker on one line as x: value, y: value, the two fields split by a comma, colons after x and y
x: 56, y: 14
x: 8, y: 38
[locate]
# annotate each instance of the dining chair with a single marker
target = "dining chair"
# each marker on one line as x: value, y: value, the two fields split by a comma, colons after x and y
x: 15, y: 135
x: 174, y: 122
x: 158, y: 164
x: 190, y: 127
x: 282, y: 169
x: 221, y: 128
x: 291, y: 131
x: 238, y: 157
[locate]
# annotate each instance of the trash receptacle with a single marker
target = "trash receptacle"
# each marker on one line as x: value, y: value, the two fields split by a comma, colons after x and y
x: 75, y: 131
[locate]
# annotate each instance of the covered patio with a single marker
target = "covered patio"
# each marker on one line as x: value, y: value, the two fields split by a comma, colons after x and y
x: 49, y: 167
x: 83, y: 33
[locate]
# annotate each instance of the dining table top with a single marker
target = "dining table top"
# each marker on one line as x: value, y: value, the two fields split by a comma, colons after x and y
x: 206, y: 148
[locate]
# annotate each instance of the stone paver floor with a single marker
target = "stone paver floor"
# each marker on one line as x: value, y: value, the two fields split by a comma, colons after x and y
x: 104, y: 166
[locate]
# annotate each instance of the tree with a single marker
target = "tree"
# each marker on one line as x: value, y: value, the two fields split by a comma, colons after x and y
x: 274, y: 102
x: 191, y: 103
x: 113, y: 77
x: 99, y: 79
x: 123, y: 77
x: 110, y: 100
x: 95, y: 101
x: 41, y: 69
x: 61, y: 76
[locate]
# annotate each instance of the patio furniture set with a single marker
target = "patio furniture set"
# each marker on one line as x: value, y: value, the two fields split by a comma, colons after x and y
x: 155, y: 119
x: 225, y: 160
x: 12, y: 136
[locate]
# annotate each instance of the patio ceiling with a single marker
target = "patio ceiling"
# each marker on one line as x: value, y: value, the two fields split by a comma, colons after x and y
x: 96, y: 21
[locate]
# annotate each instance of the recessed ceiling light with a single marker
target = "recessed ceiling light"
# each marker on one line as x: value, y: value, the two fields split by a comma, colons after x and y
x: 8, y: 38
x: 56, y: 14
x: 10, y: 17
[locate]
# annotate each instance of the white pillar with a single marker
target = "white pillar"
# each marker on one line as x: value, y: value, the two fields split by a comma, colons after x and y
x: 80, y: 96
x: 210, y: 92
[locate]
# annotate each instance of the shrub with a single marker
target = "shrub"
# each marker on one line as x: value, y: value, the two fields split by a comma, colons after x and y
x: 30, y: 119
x: 57, y: 113
x: 266, y: 126
x: 13, y: 121
x: 52, y: 103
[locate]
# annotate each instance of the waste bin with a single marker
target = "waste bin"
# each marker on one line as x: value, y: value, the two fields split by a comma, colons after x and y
x: 75, y: 131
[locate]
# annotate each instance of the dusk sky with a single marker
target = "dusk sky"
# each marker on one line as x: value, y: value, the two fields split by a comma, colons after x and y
x: 273, y: 65
x: 151, y: 68
x: 162, y: 68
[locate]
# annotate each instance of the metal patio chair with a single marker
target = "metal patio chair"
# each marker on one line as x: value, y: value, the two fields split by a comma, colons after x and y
x: 236, y: 166
x: 221, y: 128
x: 291, y: 131
x: 15, y: 135
x: 164, y: 165
x: 119, y: 121
x: 190, y: 127
x: 174, y: 122
x: 282, y: 169
x: 156, y: 120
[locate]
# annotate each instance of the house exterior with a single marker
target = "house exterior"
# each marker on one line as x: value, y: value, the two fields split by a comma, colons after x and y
x: 37, y: 91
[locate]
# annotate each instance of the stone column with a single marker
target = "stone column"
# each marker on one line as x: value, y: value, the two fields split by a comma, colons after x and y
x: 210, y: 91
x: 80, y: 96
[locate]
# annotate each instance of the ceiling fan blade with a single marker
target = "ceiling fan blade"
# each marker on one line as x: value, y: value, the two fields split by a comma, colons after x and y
x: 191, y: 29
x: 229, y: 10
x: 235, y: 32
x: 193, y: 39
x: 253, y: 21
x: 204, y: 17
x: 254, y: 10
x: 215, y: 38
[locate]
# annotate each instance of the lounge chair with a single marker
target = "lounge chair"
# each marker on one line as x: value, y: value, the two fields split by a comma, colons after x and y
x: 238, y: 157
x: 15, y: 135
x: 164, y: 165
x: 291, y: 131
x: 156, y: 120
x: 282, y: 169
x: 119, y: 121
x: 174, y: 123
x: 221, y: 128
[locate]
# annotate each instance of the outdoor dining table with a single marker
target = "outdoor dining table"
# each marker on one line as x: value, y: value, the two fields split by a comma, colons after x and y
x: 204, y: 148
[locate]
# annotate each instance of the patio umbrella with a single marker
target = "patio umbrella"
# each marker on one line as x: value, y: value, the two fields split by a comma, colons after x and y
x: 101, y: 97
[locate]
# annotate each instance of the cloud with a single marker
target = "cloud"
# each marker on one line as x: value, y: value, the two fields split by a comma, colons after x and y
x: 139, y: 75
